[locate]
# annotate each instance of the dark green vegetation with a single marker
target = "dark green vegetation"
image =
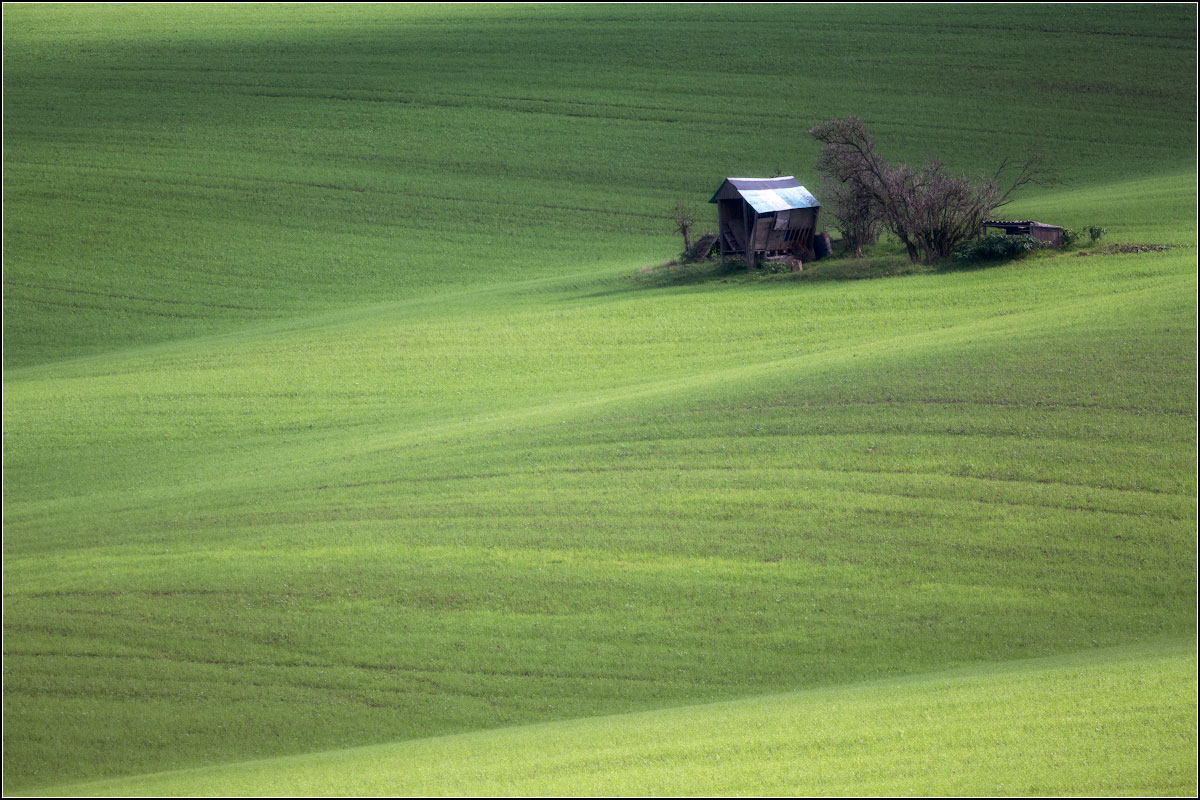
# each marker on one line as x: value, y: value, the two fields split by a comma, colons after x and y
x: 333, y: 416
x: 170, y: 173
x: 997, y: 247
x: 1037, y: 727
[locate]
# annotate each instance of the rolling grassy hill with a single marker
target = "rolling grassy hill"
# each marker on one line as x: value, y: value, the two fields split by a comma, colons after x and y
x: 336, y: 413
x: 1041, y: 727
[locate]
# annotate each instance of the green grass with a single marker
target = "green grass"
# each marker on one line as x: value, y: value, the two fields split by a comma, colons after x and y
x: 292, y: 464
x: 176, y: 172
x: 1116, y: 722
x: 775, y: 509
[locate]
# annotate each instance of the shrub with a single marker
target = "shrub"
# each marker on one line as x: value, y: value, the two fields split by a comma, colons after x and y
x: 929, y: 209
x: 1070, y: 237
x: 684, y: 217
x: 1095, y: 233
x: 995, y: 247
x: 856, y: 212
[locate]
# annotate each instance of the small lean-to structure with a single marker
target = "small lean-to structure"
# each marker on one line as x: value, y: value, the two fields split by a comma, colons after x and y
x: 765, y: 216
x: 1049, y: 235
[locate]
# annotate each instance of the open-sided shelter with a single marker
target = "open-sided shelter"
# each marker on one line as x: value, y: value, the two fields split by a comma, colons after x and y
x: 1048, y: 235
x: 765, y: 216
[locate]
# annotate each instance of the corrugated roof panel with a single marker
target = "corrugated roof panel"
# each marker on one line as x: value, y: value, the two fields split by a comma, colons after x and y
x: 782, y: 182
x: 770, y: 194
x: 764, y: 201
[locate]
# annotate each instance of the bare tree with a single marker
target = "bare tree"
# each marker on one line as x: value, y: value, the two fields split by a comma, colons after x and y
x: 857, y: 215
x: 684, y: 217
x: 927, y: 209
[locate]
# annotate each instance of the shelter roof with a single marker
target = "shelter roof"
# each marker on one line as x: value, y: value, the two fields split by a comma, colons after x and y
x: 769, y: 194
x: 1023, y: 223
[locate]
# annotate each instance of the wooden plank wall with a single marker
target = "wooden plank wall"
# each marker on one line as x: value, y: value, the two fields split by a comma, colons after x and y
x: 789, y: 230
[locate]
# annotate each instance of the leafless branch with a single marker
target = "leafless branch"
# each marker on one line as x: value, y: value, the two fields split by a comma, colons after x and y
x: 927, y: 209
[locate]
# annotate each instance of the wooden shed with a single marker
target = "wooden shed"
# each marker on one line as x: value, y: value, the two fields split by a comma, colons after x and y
x: 765, y: 216
x: 1049, y: 235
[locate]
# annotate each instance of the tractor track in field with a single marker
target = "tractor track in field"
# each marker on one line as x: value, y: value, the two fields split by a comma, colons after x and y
x: 271, y: 519
x: 25, y: 285
x: 189, y: 179
x: 96, y: 307
x: 415, y: 673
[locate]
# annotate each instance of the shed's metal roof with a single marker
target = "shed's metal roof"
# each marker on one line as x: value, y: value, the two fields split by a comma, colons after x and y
x: 1008, y: 223
x: 771, y: 194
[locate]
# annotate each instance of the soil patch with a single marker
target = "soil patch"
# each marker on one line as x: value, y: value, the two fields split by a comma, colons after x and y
x: 1113, y: 249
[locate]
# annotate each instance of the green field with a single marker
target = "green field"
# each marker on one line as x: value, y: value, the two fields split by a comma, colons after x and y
x: 353, y: 442
x: 1041, y: 727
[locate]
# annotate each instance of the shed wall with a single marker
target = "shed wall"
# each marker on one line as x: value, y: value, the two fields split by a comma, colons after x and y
x: 1051, y: 236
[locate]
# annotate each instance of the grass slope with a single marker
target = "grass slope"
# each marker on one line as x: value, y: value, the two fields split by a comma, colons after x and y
x: 302, y: 567
x: 177, y: 171
x: 413, y: 486
x: 1115, y: 722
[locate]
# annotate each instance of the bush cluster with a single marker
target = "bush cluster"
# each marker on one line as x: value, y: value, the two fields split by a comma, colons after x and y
x: 995, y: 247
x: 930, y: 209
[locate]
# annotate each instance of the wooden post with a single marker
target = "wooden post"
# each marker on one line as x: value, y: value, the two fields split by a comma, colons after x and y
x: 751, y: 229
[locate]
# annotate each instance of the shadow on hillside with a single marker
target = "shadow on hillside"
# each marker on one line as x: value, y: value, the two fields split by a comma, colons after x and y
x: 879, y: 263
